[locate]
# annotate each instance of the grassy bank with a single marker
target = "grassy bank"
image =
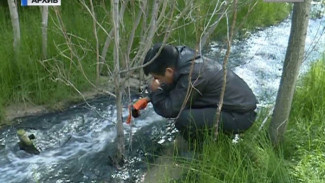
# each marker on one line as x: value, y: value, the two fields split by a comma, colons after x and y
x: 250, y: 16
x: 253, y: 159
x: 24, y: 80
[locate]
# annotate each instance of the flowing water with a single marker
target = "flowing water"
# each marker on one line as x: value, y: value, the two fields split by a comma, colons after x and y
x: 75, y: 144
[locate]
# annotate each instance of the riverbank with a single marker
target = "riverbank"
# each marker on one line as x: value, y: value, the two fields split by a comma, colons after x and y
x: 29, y: 88
x: 23, y: 109
x: 19, y: 110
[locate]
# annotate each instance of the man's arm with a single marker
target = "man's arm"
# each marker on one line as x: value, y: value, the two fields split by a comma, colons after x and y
x: 169, y: 104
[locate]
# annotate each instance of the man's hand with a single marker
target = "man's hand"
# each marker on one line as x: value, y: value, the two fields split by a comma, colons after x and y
x: 155, y: 84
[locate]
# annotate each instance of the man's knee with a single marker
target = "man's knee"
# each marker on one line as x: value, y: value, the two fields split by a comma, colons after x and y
x: 192, y: 123
x: 181, y: 121
x: 233, y: 122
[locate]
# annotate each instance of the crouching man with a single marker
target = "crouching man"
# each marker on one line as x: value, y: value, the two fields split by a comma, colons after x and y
x: 187, y: 86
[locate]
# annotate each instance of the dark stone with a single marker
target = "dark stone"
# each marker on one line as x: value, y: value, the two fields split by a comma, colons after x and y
x: 31, y: 149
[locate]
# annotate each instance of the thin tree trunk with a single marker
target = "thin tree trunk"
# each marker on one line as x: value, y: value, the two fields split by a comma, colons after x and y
x: 117, y: 80
x: 97, y: 42
x: 293, y: 60
x: 15, y: 24
x: 104, y: 51
x: 45, y: 14
x: 108, y: 42
x: 224, y: 67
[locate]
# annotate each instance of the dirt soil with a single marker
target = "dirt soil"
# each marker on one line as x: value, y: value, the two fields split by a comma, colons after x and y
x: 19, y: 110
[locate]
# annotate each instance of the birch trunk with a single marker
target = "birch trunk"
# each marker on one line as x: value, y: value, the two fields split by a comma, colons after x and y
x: 117, y: 81
x: 97, y: 42
x: 292, y: 62
x: 108, y: 42
x: 45, y: 15
x: 15, y: 24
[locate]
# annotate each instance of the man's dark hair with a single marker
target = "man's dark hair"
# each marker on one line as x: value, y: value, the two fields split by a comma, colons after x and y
x: 168, y: 57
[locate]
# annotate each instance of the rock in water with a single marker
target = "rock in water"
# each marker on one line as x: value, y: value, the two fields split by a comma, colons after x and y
x: 25, y: 142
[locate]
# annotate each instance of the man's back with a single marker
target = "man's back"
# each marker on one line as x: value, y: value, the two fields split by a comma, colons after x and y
x: 207, y: 79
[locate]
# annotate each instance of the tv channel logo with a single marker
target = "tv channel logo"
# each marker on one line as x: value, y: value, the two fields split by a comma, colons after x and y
x: 40, y: 2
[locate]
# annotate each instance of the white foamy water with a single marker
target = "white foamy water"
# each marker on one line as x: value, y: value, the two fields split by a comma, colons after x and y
x: 73, y: 136
x: 72, y: 141
x: 259, y: 58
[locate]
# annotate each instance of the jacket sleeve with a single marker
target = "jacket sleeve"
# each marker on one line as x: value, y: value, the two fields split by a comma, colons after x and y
x: 168, y: 104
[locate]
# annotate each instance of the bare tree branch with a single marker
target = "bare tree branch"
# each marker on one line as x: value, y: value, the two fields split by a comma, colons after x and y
x: 209, y: 29
x: 96, y: 38
x: 224, y: 67
x: 71, y: 48
x: 108, y: 41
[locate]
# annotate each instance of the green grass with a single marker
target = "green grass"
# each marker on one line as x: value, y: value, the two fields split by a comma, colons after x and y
x: 306, y: 127
x: 23, y: 78
x: 262, y: 15
x: 300, y: 158
x: 251, y: 160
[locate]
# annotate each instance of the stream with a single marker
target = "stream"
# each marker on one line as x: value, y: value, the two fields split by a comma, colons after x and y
x: 75, y: 143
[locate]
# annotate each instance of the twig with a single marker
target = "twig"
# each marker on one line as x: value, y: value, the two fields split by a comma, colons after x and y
x: 96, y: 38
x: 224, y: 67
x: 208, y: 31
x: 266, y: 118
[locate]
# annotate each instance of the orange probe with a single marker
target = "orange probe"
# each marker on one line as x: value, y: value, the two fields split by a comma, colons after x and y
x: 134, y: 110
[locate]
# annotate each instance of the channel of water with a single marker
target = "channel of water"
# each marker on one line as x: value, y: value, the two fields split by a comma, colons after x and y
x: 75, y: 143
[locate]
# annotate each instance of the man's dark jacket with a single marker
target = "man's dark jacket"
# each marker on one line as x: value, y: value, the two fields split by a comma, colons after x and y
x: 205, y: 87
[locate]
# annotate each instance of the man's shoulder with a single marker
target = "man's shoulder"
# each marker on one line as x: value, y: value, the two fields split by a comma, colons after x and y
x: 208, y: 65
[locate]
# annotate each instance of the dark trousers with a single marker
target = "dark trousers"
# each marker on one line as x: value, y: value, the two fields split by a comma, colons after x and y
x: 193, y: 124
